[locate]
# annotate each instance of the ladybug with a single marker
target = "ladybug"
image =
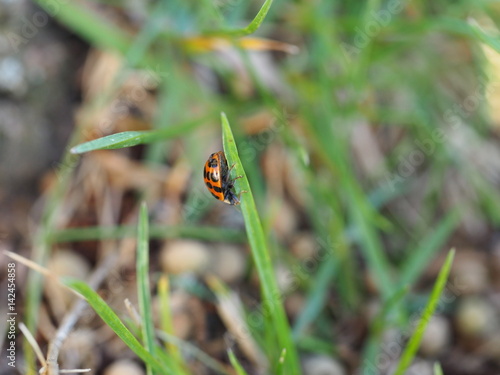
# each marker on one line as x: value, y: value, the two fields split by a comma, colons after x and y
x: 217, y: 177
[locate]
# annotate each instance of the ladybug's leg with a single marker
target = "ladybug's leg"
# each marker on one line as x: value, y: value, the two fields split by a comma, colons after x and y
x: 231, y: 168
x: 229, y: 173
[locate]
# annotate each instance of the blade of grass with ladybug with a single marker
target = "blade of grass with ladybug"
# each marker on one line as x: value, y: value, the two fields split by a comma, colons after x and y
x: 271, y: 296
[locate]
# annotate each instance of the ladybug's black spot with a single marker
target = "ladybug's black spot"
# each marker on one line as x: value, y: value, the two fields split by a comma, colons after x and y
x: 217, y: 189
x: 209, y: 185
x: 215, y: 196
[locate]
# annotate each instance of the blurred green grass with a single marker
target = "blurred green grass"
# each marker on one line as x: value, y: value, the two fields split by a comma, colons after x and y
x: 405, y: 75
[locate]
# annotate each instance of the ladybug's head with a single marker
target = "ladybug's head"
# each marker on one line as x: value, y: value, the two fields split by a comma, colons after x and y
x: 231, y: 198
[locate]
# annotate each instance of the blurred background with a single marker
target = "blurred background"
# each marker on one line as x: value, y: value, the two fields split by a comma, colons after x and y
x: 369, y: 132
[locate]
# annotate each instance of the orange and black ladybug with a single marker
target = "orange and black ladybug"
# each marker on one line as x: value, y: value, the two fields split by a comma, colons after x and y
x: 217, y: 177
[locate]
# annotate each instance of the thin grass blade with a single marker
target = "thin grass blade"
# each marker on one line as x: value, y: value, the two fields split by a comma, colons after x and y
x: 167, y: 325
x: 252, y: 26
x: 114, y: 322
x: 134, y: 138
x: 425, y: 252
x: 437, y: 369
x: 372, y: 347
x: 235, y: 363
x: 90, y: 26
x: 414, y: 342
x: 143, y: 287
x: 270, y: 293
x: 214, y: 234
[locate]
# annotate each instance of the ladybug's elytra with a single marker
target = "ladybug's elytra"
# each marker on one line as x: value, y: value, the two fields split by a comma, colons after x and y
x: 217, y: 177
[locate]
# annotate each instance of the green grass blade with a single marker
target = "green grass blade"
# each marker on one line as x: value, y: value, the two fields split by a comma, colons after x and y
x: 310, y: 343
x: 114, y: 141
x: 414, y: 342
x: 371, y: 247
x: 114, y: 322
x: 143, y: 288
x: 489, y: 40
x: 373, y: 345
x: 193, y: 351
x: 316, y: 297
x: 166, y: 314
x: 270, y: 293
x: 280, y: 368
x: 205, y: 233
x: 235, y: 363
x: 378, y: 324
x: 134, y: 138
x: 167, y: 326
x: 470, y: 29
x: 427, y: 248
x: 90, y: 26
x: 252, y: 26
x: 437, y: 369
x: 41, y: 251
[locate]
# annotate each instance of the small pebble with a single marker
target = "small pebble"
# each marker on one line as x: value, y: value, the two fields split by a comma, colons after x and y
x: 12, y: 78
x: 285, y: 278
x: 228, y: 263
x: 322, y: 365
x: 184, y: 256
x: 179, y: 299
x: 64, y: 263
x: 286, y: 221
x: 471, y: 271
x: 294, y: 304
x: 79, y: 349
x: 392, y: 345
x: 436, y: 336
x: 69, y: 263
x: 417, y: 367
x: 492, y: 348
x: 124, y: 367
x: 304, y: 246
x: 182, y: 324
x: 181, y: 319
x: 476, y: 317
